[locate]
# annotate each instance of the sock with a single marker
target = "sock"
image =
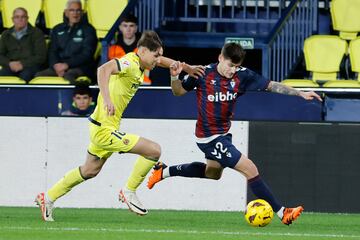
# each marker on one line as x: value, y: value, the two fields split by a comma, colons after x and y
x: 280, y: 213
x: 261, y: 190
x: 64, y: 185
x: 141, y: 168
x: 166, y: 173
x: 194, y: 169
x: 47, y: 198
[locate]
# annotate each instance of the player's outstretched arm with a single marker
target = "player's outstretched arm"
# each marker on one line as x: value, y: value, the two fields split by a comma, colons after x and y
x: 193, y: 70
x: 176, y: 86
x: 283, y: 89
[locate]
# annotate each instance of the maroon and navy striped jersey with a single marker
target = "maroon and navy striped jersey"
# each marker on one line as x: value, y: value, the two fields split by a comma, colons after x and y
x: 217, y: 95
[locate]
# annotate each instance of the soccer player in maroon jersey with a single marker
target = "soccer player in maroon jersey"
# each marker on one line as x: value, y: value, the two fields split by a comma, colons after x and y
x: 217, y: 92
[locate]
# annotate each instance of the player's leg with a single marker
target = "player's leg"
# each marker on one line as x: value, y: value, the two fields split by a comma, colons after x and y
x: 89, y: 169
x: 255, y: 182
x: 262, y: 190
x: 212, y: 170
x: 149, y: 153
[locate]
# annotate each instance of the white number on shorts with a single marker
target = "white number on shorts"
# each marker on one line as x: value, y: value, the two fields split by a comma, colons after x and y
x: 219, y: 148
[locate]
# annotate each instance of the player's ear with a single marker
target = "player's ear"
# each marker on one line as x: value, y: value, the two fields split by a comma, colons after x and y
x: 221, y: 57
x: 141, y: 50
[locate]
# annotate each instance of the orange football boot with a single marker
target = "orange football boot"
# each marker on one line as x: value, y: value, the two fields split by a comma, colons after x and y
x: 291, y: 214
x: 156, y: 175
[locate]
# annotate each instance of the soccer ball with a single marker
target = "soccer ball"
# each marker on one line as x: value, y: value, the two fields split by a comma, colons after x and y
x: 259, y: 213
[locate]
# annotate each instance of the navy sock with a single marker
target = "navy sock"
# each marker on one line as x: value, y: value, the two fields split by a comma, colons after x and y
x: 194, y: 169
x: 261, y: 190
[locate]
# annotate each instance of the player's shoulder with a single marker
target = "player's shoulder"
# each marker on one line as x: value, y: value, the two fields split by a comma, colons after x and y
x: 129, y: 61
x: 210, y: 68
x: 243, y: 71
x: 131, y: 58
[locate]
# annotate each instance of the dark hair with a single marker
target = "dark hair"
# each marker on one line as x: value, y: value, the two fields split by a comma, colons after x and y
x: 234, y: 52
x: 130, y: 18
x: 150, y: 40
x: 82, y: 91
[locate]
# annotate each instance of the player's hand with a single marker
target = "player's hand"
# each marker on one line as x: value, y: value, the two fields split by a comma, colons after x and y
x: 195, y: 71
x: 16, y: 66
x: 310, y: 95
x: 109, y: 108
x: 176, y: 67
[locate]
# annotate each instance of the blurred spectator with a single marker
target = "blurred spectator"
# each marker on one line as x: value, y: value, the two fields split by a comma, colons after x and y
x: 22, y: 48
x: 126, y: 41
x: 82, y: 103
x: 72, y: 46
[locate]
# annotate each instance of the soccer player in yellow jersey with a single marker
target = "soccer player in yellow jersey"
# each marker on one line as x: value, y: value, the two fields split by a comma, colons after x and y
x: 115, y: 94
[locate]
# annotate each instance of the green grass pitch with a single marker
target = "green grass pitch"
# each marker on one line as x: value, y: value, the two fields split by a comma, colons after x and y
x: 85, y: 224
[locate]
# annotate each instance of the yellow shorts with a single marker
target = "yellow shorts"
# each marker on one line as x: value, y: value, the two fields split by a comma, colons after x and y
x: 105, y: 141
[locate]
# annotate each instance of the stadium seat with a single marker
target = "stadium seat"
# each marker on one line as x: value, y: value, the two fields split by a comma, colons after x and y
x: 7, y: 7
x: 354, y: 51
x: 342, y: 84
x: 300, y: 83
x: 103, y: 14
x: 50, y: 81
x: 11, y: 80
x: 323, y: 56
x: 82, y: 80
x: 54, y: 11
x: 346, y: 18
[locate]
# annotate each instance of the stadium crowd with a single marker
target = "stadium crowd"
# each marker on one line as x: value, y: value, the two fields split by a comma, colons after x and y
x: 70, y: 50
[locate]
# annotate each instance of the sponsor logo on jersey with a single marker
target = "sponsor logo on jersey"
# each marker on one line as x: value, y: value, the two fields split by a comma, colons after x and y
x: 124, y: 64
x: 222, y: 97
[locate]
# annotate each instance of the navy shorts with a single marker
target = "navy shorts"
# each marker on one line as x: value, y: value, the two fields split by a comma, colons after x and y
x: 221, y: 150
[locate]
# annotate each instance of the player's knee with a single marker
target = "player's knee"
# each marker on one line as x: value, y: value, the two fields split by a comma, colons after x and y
x: 93, y: 174
x: 155, y: 152
x: 251, y: 170
x: 216, y: 177
x: 247, y: 167
x: 213, y: 174
x: 88, y: 173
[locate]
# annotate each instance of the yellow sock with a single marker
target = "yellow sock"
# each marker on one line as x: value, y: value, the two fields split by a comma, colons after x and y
x: 141, y: 168
x: 64, y: 185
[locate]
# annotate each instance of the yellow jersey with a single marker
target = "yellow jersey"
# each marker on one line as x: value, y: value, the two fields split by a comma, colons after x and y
x: 122, y: 88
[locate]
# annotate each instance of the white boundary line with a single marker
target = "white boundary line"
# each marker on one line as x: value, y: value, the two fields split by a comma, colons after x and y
x: 75, y: 229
